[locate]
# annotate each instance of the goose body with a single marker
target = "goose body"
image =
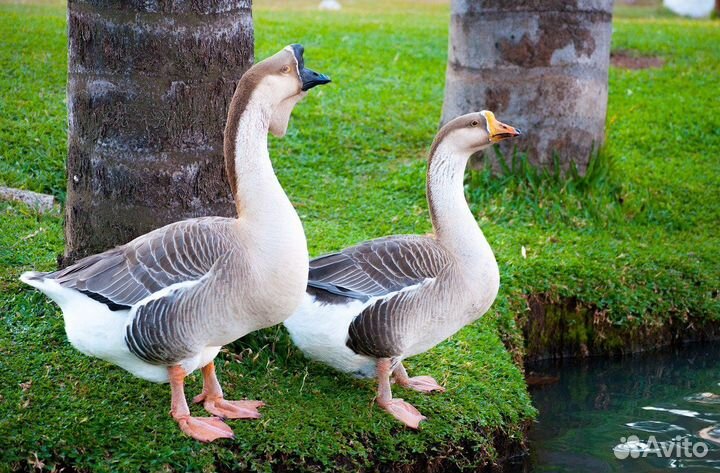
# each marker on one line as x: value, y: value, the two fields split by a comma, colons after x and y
x: 372, y: 305
x: 387, y: 298
x: 177, y: 294
x: 162, y: 305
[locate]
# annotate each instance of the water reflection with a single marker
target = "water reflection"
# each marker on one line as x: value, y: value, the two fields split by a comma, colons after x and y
x: 647, y: 413
x: 704, y: 398
x: 654, y: 426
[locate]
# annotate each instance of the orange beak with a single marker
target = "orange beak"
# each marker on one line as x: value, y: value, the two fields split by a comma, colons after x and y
x: 499, y: 131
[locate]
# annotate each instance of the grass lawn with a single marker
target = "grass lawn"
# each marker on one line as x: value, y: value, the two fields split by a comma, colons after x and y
x: 636, y: 239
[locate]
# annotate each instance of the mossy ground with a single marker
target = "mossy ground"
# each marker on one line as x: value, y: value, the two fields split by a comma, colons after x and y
x: 638, y: 238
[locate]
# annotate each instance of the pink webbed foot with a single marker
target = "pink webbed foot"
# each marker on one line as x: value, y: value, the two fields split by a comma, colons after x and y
x: 404, y: 412
x: 423, y: 384
x: 205, y: 429
x: 218, y: 406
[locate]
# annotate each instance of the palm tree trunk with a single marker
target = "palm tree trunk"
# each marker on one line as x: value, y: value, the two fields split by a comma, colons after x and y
x: 541, y: 65
x: 149, y: 84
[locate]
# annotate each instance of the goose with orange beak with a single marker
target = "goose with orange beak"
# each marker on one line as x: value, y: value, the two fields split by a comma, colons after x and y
x: 369, y: 307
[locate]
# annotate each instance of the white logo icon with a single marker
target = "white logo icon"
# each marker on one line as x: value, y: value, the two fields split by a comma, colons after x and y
x: 678, y: 447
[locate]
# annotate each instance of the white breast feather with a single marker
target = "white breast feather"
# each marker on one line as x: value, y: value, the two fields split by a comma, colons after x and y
x: 320, y: 331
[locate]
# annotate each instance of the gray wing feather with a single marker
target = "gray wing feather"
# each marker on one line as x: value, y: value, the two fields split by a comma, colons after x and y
x: 123, y: 276
x: 378, y: 267
x: 379, y: 330
x: 174, y: 327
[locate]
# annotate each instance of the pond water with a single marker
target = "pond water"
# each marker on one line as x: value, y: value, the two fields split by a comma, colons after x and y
x: 635, y: 414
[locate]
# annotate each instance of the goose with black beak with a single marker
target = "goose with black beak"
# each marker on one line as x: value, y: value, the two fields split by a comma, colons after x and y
x: 162, y: 305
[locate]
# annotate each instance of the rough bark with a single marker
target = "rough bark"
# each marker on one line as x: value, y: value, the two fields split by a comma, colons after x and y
x: 541, y: 65
x: 149, y: 84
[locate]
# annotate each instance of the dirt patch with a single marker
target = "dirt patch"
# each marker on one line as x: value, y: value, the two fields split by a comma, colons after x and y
x: 630, y: 60
x: 568, y: 328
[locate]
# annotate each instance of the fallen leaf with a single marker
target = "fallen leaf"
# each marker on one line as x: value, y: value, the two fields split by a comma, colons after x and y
x: 35, y: 233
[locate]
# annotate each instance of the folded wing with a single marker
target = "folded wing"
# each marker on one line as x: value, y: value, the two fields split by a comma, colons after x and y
x: 390, y: 271
x: 378, y: 267
x: 121, y: 277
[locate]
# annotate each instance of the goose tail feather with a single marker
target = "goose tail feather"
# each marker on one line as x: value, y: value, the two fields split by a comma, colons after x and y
x: 33, y: 278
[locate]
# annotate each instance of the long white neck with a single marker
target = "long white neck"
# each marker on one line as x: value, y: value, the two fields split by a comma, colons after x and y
x: 453, y: 222
x: 259, y: 195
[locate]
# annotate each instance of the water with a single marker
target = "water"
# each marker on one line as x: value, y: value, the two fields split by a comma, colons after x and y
x: 634, y: 414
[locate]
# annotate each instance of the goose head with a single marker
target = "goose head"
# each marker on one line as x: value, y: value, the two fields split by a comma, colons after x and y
x: 281, y: 81
x: 473, y: 132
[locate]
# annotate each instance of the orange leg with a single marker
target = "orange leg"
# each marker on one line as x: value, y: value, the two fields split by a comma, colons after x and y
x: 214, y: 403
x: 424, y: 384
x: 401, y: 410
x: 204, y: 429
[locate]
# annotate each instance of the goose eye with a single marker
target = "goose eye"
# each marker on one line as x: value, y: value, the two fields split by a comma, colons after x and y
x: 285, y: 69
x: 474, y: 123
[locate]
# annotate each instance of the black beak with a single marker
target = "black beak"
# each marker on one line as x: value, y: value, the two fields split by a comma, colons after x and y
x: 311, y: 78
x: 308, y: 77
